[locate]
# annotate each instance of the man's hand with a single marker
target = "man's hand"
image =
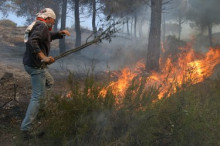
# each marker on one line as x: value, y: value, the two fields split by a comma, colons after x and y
x: 48, y: 60
x: 65, y: 32
x: 52, y: 60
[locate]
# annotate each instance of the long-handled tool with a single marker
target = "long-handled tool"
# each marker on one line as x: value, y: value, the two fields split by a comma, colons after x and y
x: 106, y: 34
x: 77, y: 48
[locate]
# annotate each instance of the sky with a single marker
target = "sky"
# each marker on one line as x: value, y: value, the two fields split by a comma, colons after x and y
x: 12, y: 17
x: 20, y: 21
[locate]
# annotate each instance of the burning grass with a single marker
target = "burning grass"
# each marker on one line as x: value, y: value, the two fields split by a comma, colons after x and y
x: 178, y: 106
x: 86, y: 118
x: 190, y: 67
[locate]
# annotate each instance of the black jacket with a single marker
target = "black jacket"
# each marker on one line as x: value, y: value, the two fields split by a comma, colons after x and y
x: 38, y: 40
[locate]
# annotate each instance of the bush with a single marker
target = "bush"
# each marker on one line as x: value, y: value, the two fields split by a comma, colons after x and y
x: 7, y: 23
x: 76, y: 117
x: 188, y: 117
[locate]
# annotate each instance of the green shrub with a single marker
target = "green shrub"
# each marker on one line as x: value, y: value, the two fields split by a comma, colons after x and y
x: 76, y: 117
x: 188, y: 117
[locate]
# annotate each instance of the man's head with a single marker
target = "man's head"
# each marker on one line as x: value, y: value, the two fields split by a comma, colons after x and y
x: 48, y: 15
x: 45, y: 13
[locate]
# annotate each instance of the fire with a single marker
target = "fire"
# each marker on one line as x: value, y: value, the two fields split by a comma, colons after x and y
x: 124, y: 79
x: 189, y: 67
x: 69, y: 94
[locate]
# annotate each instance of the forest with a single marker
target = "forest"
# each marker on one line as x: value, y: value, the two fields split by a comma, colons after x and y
x: 141, y: 72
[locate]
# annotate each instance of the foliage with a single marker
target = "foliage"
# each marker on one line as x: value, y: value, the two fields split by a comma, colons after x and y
x: 204, y: 12
x: 174, y: 9
x: 5, y: 7
x: 122, y: 8
x: 87, y: 118
x: 182, y: 119
x: 29, y: 8
x: 79, y: 112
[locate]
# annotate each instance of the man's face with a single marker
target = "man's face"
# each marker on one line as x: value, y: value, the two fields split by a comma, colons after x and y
x: 50, y: 21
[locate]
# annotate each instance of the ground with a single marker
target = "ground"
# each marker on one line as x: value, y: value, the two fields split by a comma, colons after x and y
x: 15, y: 90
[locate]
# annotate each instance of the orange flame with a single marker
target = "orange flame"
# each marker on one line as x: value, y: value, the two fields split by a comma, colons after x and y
x: 124, y: 79
x: 69, y: 94
x: 189, y: 67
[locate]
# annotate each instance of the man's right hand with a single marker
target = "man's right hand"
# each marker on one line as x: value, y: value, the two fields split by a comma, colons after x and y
x: 52, y: 60
x: 49, y: 60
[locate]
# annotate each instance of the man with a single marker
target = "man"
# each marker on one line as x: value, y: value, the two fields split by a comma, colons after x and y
x: 37, y: 39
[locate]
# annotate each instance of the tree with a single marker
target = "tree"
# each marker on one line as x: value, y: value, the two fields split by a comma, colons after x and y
x: 92, y: 5
x: 119, y: 8
x: 126, y: 9
x: 205, y: 14
x: 179, y: 13
x: 94, y: 16
x: 29, y: 8
x: 5, y: 7
x: 182, y: 9
x: 62, y: 44
x: 153, y: 52
x: 77, y: 24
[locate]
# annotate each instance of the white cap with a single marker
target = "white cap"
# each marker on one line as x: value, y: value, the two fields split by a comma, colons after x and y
x: 45, y: 13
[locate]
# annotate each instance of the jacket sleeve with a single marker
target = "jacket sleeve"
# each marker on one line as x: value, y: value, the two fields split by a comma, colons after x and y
x: 35, y: 38
x: 55, y: 35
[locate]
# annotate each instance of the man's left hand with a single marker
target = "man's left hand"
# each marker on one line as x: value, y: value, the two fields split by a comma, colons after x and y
x: 65, y: 32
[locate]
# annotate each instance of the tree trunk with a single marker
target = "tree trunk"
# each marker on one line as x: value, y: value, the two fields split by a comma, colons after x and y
x: 210, y: 34
x: 127, y: 25
x: 77, y: 24
x: 56, y: 10
x: 123, y: 27
x: 180, y: 28
x: 55, y: 25
x: 164, y: 28
x: 62, y: 44
x: 153, y: 53
x: 94, y: 17
x: 135, y: 25
x: 131, y: 26
x: 140, y: 28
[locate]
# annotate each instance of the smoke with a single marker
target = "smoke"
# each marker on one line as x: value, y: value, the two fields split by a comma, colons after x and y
x: 127, y: 47
x: 130, y: 44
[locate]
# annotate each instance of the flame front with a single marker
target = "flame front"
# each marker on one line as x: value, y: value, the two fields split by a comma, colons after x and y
x: 190, y: 67
x: 125, y: 76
